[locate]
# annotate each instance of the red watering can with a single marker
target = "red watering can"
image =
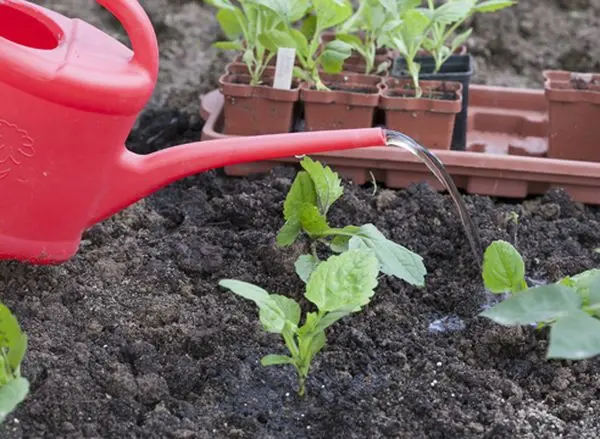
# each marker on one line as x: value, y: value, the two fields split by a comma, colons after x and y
x: 69, y: 96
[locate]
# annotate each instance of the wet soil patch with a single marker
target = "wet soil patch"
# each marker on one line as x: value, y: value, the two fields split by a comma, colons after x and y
x: 133, y: 338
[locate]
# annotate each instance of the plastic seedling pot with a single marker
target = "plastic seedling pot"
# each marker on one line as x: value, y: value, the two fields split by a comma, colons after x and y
x: 456, y: 68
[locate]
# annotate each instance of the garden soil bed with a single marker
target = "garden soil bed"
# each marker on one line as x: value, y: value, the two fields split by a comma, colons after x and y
x: 133, y: 338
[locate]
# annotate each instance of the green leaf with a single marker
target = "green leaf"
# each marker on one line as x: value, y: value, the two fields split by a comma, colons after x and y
x: 289, y: 232
x: 538, y: 304
x: 340, y: 243
x: 275, y: 311
x: 11, y: 395
x: 288, y: 11
x: 228, y: 21
x: 395, y: 259
x: 503, y: 268
x: 493, y: 5
x: 453, y: 11
x: 317, y: 343
x: 228, y: 45
x: 309, y: 27
x: 312, y: 221
x: 345, y: 280
x: 246, y: 290
x: 12, y: 338
x: 460, y: 39
x: 275, y: 39
x: 355, y: 42
x: 331, y: 317
x: 594, y: 296
x: 575, y: 336
x: 272, y: 360
x: 305, y: 265
x: 289, y: 307
x: 301, y: 43
x: 330, y: 13
x: 595, y: 291
x: 583, y: 281
x: 327, y: 184
x: 333, y: 56
x: 303, y: 191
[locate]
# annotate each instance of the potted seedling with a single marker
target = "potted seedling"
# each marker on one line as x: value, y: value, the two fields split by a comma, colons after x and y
x: 331, y: 99
x: 362, y: 31
x: 253, y: 106
x: 443, y: 55
x: 424, y: 110
x: 573, y: 115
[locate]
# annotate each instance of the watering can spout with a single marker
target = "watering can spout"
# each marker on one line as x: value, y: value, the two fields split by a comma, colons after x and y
x: 136, y: 176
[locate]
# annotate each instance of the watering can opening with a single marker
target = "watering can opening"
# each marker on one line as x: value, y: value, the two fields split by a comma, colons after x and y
x: 27, y: 27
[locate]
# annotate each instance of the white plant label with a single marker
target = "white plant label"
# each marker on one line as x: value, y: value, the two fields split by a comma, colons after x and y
x: 284, y: 68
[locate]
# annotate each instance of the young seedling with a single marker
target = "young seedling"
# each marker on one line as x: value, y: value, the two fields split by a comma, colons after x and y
x: 339, y: 286
x: 307, y: 41
x: 13, y: 345
x: 314, y: 190
x: 571, y: 306
x: 245, y: 21
x: 407, y: 33
x: 442, y: 40
x: 371, y: 20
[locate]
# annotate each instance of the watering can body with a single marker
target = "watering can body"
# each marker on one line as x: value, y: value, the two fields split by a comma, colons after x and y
x: 69, y: 96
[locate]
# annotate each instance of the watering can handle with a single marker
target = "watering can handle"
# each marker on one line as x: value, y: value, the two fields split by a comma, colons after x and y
x: 140, y: 31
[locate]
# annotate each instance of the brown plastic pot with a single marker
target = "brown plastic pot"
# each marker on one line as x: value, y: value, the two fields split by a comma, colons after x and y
x: 428, y: 119
x: 504, y: 157
x: 256, y: 110
x: 573, y: 115
x: 350, y: 102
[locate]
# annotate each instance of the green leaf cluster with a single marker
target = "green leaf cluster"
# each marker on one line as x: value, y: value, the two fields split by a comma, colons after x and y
x: 311, y: 55
x: 314, y: 190
x: 571, y: 306
x: 13, y: 345
x: 432, y: 29
x: 338, y: 287
x: 245, y: 22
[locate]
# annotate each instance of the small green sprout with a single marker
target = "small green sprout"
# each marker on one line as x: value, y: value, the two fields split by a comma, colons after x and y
x: 13, y: 345
x: 338, y: 287
x: 315, y: 189
x: 571, y: 306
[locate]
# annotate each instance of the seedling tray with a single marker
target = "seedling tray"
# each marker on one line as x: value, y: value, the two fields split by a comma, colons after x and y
x: 504, y: 157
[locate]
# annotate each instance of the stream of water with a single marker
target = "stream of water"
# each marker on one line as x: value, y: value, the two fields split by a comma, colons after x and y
x: 399, y: 140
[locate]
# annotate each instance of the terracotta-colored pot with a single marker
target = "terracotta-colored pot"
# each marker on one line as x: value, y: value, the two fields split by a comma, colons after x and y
x: 350, y: 102
x: 256, y: 110
x: 429, y: 119
x: 507, y: 135
x: 573, y: 115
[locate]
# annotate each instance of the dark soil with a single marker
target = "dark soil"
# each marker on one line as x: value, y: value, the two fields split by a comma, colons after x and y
x: 351, y: 88
x: 133, y: 338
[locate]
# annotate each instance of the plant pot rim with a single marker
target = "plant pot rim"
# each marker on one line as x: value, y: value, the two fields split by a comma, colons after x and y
x: 500, y: 175
x: 344, y: 96
x: 409, y: 103
x: 558, y: 87
x: 242, y: 90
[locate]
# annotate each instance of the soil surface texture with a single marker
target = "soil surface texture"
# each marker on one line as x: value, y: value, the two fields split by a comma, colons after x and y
x: 134, y: 339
